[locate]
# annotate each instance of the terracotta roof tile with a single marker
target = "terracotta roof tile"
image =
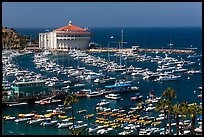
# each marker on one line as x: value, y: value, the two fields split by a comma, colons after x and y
x: 70, y: 27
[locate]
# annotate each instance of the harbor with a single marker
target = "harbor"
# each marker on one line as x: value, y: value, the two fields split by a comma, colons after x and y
x: 122, y: 103
x: 64, y: 88
x: 98, y: 68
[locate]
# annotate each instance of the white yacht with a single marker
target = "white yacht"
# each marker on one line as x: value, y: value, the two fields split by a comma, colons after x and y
x: 113, y: 96
x: 48, y: 123
x: 64, y: 124
x: 94, y: 94
x: 93, y: 76
x: 168, y: 78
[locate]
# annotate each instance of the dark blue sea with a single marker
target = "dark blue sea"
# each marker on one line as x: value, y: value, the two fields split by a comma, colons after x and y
x: 186, y: 88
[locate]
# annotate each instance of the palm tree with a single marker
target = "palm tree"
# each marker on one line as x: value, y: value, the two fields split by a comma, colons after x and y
x: 176, y: 111
x: 163, y: 105
x: 184, y: 113
x: 169, y: 93
x: 70, y: 100
x: 194, y: 109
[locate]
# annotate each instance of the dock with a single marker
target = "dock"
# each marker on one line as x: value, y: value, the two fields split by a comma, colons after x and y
x: 185, y: 51
x: 143, y: 50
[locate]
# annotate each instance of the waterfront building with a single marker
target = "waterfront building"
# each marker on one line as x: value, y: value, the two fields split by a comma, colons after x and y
x: 27, y: 89
x: 67, y: 37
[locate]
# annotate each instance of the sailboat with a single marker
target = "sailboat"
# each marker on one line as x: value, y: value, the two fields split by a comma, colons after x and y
x: 170, y: 45
x: 120, y: 67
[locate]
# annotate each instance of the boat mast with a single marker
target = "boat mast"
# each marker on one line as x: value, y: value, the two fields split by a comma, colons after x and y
x: 121, y: 44
x: 108, y: 52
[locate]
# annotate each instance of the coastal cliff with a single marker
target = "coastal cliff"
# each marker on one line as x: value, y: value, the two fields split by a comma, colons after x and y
x: 11, y: 39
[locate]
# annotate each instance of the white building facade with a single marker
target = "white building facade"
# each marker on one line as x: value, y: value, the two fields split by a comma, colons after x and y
x: 67, y: 37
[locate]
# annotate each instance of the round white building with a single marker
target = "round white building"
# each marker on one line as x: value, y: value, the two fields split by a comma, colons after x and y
x: 67, y: 37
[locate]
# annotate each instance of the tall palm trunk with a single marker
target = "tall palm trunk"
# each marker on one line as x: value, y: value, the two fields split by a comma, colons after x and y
x: 182, y: 127
x: 164, y: 122
x: 193, y: 124
x: 169, y: 114
x: 73, y: 115
x: 177, y: 124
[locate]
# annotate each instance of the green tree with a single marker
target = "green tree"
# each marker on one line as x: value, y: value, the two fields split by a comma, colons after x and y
x: 194, y: 109
x: 184, y: 113
x: 163, y: 105
x: 176, y: 111
x: 168, y: 94
x: 70, y: 100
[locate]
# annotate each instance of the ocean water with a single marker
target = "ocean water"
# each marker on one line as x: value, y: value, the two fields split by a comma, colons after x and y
x: 181, y: 37
x: 146, y: 38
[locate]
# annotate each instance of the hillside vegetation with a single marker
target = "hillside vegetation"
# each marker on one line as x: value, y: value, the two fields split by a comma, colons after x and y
x: 11, y: 39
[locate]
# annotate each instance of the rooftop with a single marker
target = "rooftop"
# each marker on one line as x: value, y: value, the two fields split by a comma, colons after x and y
x: 71, y: 27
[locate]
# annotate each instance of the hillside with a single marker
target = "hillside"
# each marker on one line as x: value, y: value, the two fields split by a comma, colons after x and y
x: 13, y: 39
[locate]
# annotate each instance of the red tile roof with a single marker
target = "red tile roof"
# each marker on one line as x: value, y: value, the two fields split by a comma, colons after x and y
x: 70, y: 27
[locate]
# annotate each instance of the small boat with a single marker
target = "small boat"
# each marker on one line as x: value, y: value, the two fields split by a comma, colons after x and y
x: 26, y: 115
x: 198, y: 130
x: 78, y: 85
x: 95, y: 128
x: 45, y: 102
x: 168, y: 78
x: 94, y: 94
x: 48, y: 115
x: 35, y: 121
x: 104, y: 131
x: 103, y: 103
x: 92, y: 129
x: 8, y: 117
x: 22, y: 119
x: 57, y: 111
x: 83, y: 92
x: 62, y: 117
x: 71, y: 118
x: 48, y: 123
x: 79, y: 125
x: 136, y: 97
x: 81, y: 111
x: 199, y: 96
x: 126, y: 132
x: 88, y: 116
x: 113, y: 96
x: 200, y: 88
x: 64, y: 124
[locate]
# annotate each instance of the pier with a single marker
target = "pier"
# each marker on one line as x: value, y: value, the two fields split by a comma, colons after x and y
x: 183, y: 51
x: 143, y: 50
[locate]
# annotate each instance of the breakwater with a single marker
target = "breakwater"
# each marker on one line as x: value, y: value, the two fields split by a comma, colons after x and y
x: 130, y: 50
x: 143, y: 50
x: 187, y: 51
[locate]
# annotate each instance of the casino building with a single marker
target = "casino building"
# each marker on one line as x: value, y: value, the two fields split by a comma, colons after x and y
x: 67, y: 37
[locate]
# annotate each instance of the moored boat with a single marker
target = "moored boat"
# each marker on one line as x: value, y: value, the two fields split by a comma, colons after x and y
x: 136, y: 97
x: 45, y: 102
x: 8, y: 117
x: 94, y: 94
x: 48, y: 123
x: 83, y: 92
x: 64, y: 124
x: 113, y: 96
x: 22, y: 119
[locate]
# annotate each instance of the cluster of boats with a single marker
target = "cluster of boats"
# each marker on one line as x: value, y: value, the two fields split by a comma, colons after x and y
x: 169, y: 69
x: 128, y: 119
x: 110, y: 91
